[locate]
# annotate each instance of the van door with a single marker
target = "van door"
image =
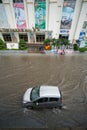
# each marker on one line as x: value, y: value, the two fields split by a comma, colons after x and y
x: 53, y: 102
x: 41, y: 103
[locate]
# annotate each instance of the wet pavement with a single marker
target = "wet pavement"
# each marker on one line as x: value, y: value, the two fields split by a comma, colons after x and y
x: 20, y: 71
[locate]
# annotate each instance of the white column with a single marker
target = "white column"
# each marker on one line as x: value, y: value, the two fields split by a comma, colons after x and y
x: 17, y: 36
x: 1, y: 37
x: 13, y: 14
x: 60, y: 6
x: 55, y: 10
x: 28, y: 34
x: 76, y: 16
x: 30, y: 13
x: 9, y: 13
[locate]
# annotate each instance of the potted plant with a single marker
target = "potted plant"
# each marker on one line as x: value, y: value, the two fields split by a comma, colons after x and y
x: 46, y: 42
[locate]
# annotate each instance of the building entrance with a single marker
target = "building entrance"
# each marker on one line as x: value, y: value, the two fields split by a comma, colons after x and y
x: 63, y: 36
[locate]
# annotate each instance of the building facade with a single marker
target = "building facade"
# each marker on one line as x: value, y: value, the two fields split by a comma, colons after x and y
x: 36, y: 20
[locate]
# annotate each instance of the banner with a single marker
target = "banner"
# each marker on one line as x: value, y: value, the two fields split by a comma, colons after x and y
x: 19, y: 15
x: 49, y: 35
x: 84, y: 25
x: 3, y: 18
x: 82, y: 36
x: 40, y: 15
x: 67, y: 15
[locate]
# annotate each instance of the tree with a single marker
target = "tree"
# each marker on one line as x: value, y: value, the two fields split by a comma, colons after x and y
x: 66, y: 41
x: 53, y: 41
x: 46, y: 41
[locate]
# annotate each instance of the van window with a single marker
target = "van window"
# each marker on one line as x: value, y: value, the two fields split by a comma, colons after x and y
x: 53, y: 99
x: 42, y: 100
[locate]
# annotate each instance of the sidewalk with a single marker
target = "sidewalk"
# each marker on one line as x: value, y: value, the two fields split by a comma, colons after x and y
x: 8, y: 52
x: 12, y: 51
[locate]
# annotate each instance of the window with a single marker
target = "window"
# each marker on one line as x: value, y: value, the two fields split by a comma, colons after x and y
x: 53, y: 99
x: 63, y: 36
x: 40, y: 38
x: 7, y: 37
x: 17, y: 1
x: 42, y: 100
x: 24, y: 37
x: 34, y: 93
x: 0, y: 1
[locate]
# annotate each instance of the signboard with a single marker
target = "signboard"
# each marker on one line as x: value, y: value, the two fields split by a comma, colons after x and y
x: 19, y: 15
x: 12, y: 45
x: 49, y: 35
x: 64, y: 31
x: 40, y: 14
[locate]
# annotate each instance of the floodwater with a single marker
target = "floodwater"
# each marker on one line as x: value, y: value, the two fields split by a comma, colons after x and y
x: 18, y: 72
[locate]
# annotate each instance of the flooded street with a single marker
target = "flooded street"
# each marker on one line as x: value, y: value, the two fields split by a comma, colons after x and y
x: 18, y: 72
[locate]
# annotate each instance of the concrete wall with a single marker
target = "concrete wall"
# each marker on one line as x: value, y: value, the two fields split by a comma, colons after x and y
x: 53, y: 16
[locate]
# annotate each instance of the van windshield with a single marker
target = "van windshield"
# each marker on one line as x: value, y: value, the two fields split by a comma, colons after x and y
x: 34, y: 93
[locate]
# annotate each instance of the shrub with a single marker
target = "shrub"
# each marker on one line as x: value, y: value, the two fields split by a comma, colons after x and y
x: 22, y: 44
x: 75, y: 47
x: 2, y: 45
x: 83, y: 49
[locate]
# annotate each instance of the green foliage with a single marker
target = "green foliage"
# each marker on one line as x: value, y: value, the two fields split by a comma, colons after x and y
x: 75, y: 47
x: 22, y: 44
x: 65, y: 41
x: 53, y: 41
x: 83, y: 49
x: 60, y: 42
x: 57, y: 42
x: 2, y: 45
x: 46, y: 41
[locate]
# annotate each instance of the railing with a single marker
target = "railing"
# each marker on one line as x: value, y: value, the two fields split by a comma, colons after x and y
x: 35, y: 48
